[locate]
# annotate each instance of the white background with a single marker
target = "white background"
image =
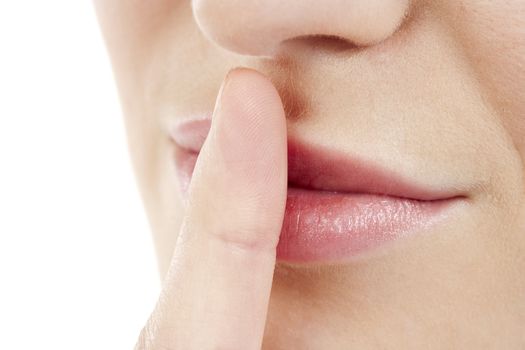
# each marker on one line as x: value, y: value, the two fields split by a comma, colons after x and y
x: 77, y: 267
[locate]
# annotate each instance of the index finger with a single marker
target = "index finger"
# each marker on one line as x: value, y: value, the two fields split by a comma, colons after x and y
x: 216, y: 292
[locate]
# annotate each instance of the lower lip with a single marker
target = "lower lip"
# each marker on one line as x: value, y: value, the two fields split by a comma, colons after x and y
x: 334, y: 226
x: 329, y: 226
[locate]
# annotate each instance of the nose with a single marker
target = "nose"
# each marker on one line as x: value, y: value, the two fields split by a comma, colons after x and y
x: 259, y: 27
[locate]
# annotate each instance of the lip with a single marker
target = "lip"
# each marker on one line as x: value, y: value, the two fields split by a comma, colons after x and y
x: 337, y: 207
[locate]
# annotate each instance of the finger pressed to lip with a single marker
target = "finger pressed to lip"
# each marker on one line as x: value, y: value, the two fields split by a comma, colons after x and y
x: 216, y: 292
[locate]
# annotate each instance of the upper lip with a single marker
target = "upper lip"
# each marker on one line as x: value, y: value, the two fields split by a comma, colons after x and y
x: 318, y: 168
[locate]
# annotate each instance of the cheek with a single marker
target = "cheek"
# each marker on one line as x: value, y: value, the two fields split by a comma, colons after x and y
x: 131, y: 27
x: 493, y: 35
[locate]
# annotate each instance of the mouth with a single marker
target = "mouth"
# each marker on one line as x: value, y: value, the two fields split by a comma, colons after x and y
x: 337, y: 207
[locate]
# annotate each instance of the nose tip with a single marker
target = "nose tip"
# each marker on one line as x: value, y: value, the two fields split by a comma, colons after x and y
x: 258, y: 28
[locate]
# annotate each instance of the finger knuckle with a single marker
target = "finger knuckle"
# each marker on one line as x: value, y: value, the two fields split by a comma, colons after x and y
x: 244, y: 242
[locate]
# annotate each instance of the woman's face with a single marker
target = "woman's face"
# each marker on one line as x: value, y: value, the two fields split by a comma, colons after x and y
x: 431, y: 90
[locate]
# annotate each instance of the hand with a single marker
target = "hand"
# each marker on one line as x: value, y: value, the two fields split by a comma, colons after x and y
x: 216, y: 292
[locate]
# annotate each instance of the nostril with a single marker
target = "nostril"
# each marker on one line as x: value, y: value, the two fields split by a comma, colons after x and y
x: 330, y: 43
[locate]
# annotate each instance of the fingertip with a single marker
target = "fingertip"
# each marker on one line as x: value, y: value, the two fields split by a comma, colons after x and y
x: 242, y: 170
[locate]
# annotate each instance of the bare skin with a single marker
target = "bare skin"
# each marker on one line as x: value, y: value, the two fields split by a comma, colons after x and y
x: 433, y: 89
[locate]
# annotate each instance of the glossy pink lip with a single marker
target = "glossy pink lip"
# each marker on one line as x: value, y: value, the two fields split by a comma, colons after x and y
x: 337, y: 207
